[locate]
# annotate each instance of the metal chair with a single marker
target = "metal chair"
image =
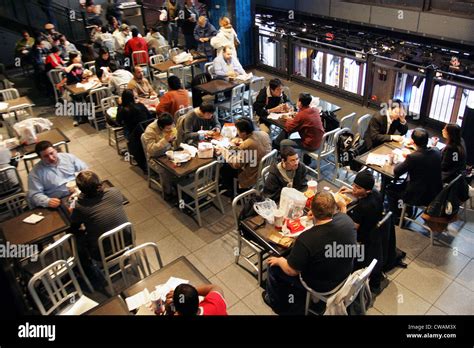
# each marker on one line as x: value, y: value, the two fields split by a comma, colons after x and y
x: 110, y: 45
x: 64, y: 248
x: 348, y: 121
x: 152, y: 172
x: 15, y: 111
x: 122, y: 87
x: 256, y: 250
x: 139, y: 58
x: 265, y: 162
x: 9, y: 94
x: 114, y: 134
x: 177, y: 70
x: 13, y: 205
x: 327, y: 148
x: 181, y: 112
x: 90, y: 66
x: 209, y: 68
x: 233, y: 106
x: 10, y: 181
x: 164, y: 51
x: 251, y: 95
x: 55, y: 76
x: 95, y: 97
x: 160, y: 76
x: 287, y: 92
x: 137, y: 261
x: 118, y: 244
x: 363, y: 124
x: 357, y: 280
x: 64, y: 294
x: 205, y: 185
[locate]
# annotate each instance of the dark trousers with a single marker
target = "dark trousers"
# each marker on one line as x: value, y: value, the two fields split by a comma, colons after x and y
x: 189, y: 42
x: 286, y: 294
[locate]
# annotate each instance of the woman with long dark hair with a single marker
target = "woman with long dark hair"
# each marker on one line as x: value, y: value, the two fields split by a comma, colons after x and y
x: 453, y: 161
x: 130, y: 113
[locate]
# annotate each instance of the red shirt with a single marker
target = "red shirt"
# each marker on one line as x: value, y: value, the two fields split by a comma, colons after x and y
x: 307, y: 123
x: 137, y: 44
x: 213, y: 304
x: 53, y: 60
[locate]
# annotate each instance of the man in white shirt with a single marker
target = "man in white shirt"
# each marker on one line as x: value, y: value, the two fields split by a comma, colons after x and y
x: 118, y: 77
x: 121, y: 37
x: 226, y: 65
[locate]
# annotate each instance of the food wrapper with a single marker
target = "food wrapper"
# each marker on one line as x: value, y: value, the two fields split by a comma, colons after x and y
x: 285, y: 242
x: 295, y: 226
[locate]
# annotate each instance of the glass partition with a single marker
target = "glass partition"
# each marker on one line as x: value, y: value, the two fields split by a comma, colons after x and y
x: 333, y: 68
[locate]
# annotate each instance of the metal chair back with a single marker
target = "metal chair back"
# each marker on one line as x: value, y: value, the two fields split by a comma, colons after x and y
x: 15, y: 205
x: 10, y: 181
x: 137, y: 261
x: 90, y: 66
x: 363, y: 124
x: 177, y: 70
x: 9, y: 94
x: 348, y: 121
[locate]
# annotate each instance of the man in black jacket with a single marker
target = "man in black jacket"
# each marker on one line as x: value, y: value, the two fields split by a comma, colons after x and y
x: 424, y: 175
x: 270, y: 99
x: 382, y: 127
x: 288, y: 173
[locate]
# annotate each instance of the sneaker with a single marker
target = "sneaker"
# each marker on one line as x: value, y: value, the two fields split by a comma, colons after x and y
x: 75, y: 123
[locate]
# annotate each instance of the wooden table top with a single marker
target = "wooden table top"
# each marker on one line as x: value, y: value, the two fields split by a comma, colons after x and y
x: 164, y: 66
x: 18, y: 232
x: 216, y: 86
x: 54, y: 135
x: 13, y: 103
x: 180, y: 268
x: 183, y: 169
x: 113, y: 306
x: 383, y: 149
x: 73, y: 89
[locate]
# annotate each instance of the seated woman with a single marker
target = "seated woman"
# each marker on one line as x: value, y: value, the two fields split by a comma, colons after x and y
x: 103, y: 63
x: 453, y: 156
x: 75, y: 74
x: 53, y: 60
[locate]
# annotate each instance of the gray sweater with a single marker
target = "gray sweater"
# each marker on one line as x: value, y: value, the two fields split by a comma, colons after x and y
x: 193, y: 123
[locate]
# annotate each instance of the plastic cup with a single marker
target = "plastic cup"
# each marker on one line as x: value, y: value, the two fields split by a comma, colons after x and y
x: 278, y: 219
x: 312, y: 185
x: 71, y: 186
x: 157, y: 304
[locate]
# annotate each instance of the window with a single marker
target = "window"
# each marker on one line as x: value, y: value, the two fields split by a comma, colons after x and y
x: 317, y: 65
x: 333, y: 65
x: 467, y: 99
x: 351, y: 79
x: 301, y: 61
x: 267, y: 51
x: 443, y: 102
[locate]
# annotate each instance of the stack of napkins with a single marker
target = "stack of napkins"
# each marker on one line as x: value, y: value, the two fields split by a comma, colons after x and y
x: 33, y: 219
x: 192, y: 150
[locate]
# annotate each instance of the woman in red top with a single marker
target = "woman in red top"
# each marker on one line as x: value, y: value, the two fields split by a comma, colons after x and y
x: 185, y: 299
x: 53, y: 60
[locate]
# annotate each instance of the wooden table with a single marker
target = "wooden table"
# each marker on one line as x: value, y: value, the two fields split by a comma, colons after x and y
x: 180, y: 268
x: 184, y: 169
x: 54, y: 135
x: 259, y: 231
x: 17, y: 102
x: 216, y: 86
x: 325, y: 105
x: 74, y: 90
x: 16, y: 231
x: 113, y: 306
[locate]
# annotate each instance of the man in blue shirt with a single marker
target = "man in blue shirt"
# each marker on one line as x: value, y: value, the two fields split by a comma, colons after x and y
x: 47, y: 181
x: 225, y: 65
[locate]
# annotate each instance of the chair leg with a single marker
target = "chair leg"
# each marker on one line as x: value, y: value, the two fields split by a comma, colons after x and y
x: 83, y: 274
x: 319, y: 168
x: 219, y: 200
x: 198, y: 211
x: 259, y: 268
x: 180, y: 198
x: 308, y: 301
x: 402, y: 216
x: 239, y: 247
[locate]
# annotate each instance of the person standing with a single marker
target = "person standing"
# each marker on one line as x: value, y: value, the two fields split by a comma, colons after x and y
x: 188, y: 23
x: 203, y: 33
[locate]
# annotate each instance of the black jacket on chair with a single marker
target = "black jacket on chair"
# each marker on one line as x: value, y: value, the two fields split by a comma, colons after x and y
x: 424, y: 176
x: 377, y: 133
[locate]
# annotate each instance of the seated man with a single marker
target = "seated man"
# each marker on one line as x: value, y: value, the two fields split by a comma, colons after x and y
x: 155, y: 40
x: 140, y: 85
x: 159, y: 137
x: 100, y: 210
x: 424, y: 175
x: 48, y: 178
x: 185, y: 300
x: 118, y: 77
x: 307, y: 122
x: 312, y: 255
x: 135, y: 44
x: 366, y: 212
x: 288, y: 173
x: 176, y: 98
x: 200, y: 123
x: 243, y: 162
x: 227, y: 66
x: 383, y: 126
x: 270, y: 99
x: 121, y: 37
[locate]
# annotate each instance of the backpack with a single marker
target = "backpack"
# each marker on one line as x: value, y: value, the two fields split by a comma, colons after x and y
x: 347, y: 150
x: 329, y: 120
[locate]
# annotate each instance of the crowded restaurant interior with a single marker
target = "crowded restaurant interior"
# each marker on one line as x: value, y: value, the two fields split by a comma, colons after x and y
x: 242, y: 157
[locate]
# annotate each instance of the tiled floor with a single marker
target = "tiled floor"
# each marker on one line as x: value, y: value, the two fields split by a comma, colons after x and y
x: 438, y: 280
